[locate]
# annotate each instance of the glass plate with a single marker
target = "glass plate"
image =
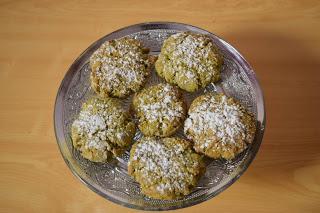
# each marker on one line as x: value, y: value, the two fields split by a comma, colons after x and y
x: 111, y: 180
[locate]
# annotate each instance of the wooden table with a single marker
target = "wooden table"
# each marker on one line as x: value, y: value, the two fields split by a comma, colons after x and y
x: 40, y: 39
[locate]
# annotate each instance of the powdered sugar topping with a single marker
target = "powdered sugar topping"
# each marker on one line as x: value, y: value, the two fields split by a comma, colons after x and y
x: 120, y: 63
x: 93, y: 127
x: 166, y: 106
x: 160, y: 162
x: 193, y: 54
x: 96, y: 122
x: 218, y: 116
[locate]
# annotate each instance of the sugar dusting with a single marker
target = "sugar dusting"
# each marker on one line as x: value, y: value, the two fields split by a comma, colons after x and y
x: 120, y: 62
x: 93, y: 127
x: 95, y: 123
x: 167, y: 107
x: 163, y: 162
x: 193, y: 55
x: 218, y: 116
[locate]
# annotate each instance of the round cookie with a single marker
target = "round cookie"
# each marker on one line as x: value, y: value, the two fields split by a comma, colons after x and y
x: 219, y: 126
x: 189, y: 60
x: 166, y: 168
x: 102, y: 129
x: 160, y: 110
x: 119, y: 67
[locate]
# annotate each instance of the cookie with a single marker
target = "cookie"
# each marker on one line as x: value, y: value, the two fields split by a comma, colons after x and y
x: 166, y: 168
x: 219, y: 126
x: 103, y: 129
x: 189, y: 60
x: 159, y: 109
x: 119, y: 67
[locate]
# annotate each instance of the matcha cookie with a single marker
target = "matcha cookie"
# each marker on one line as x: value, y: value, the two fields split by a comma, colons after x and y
x: 189, y: 60
x: 119, y: 67
x: 102, y: 129
x: 166, y: 168
x: 219, y: 126
x: 160, y: 110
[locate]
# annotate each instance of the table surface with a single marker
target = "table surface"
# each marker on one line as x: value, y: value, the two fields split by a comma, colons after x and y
x: 40, y: 39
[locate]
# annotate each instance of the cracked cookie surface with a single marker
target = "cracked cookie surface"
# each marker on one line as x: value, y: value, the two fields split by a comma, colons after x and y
x: 160, y: 110
x: 190, y: 61
x: 119, y: 67
x: 103, y: 129
x: 166, y: 168
x: 219, y: 126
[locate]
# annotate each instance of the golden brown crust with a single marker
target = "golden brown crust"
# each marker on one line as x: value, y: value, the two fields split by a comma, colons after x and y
x: 119, y: 67
x: 166, y: 168
x: 160, y: 110
x: 220, y: 127
x: 103, y: 129
x: 189, y: 60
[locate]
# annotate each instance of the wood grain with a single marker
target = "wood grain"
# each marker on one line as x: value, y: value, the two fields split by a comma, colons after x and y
x: 40, y: 39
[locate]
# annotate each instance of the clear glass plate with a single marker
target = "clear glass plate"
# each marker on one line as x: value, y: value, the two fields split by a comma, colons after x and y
x: 111, y: 180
